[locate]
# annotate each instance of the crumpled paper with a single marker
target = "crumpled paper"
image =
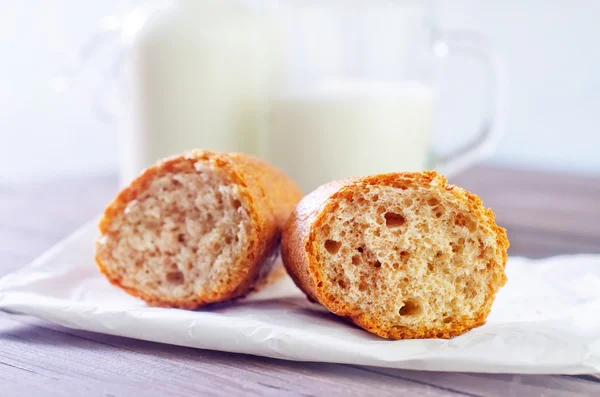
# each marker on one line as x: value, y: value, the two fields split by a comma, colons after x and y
x: 545, y: 320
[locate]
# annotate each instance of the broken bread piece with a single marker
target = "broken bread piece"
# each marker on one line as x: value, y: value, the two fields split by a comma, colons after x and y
x: 402, y: 255
x: 197, y: 228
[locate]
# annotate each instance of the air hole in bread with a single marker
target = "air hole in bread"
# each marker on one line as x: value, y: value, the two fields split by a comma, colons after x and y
x: 410, y: 308
x: 175, y: 277
x: 377, y: 264
x: 393, y: 219
x: 439, y: 211
x: 433, y: 201
x: 356, y: 260
x: 480, y: 243
x: 454, y: 247
x: 332, y: 246
x: 237, y: 204
x: 375, y: 197
x: 461, y: 220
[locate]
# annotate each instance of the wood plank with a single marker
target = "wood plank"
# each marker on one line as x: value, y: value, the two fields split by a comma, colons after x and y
x: 540, y: 245
x: 539, y: 201
x: 278, y: 373
x: 506, y: 179
x: 501, y: 385
x: 34, y: 217
x: 76, y: 360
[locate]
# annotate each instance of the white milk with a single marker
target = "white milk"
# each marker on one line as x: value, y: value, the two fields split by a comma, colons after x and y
x: 349, y: 129
x: 198, y: 74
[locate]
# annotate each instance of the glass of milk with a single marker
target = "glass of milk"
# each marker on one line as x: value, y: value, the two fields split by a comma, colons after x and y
x: 356, y: 93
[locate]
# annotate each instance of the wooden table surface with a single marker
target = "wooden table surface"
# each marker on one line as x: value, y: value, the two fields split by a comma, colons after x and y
x: 545, y: 215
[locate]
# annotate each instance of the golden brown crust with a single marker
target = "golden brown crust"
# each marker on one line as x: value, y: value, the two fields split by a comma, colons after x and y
x: 269, y: 196
x: 299, y: 248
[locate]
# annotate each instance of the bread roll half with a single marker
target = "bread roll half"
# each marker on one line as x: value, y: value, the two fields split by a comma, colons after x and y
x: 402, y: 255
x: 194, y: 229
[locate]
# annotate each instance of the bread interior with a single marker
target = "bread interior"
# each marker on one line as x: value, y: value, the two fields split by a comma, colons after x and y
x: 181, y: 237
x: 413, y: 259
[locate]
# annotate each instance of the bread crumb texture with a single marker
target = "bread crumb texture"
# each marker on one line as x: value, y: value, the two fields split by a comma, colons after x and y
x: 195, y: 229
x: 401, y: 255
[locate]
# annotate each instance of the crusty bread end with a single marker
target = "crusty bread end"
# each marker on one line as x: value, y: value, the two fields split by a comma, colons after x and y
x: 402, y: 255
x: 197, y: 228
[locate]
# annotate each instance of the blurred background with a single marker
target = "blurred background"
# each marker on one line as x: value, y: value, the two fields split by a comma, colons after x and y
x: 548, y: 115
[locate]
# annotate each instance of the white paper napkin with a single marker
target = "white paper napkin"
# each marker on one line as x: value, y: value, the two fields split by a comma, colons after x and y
x: 545, y: 320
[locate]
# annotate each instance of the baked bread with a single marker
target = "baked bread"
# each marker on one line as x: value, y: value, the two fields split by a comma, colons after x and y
x: 402, y: 255
x: 198, y: 228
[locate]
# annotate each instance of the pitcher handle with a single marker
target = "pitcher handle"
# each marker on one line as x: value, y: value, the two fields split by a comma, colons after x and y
x: 472, y: 45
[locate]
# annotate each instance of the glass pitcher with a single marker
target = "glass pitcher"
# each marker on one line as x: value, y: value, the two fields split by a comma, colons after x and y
x: 191, y: 74
x: 356, y: 93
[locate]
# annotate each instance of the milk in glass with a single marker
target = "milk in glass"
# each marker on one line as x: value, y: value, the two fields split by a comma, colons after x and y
x: 349, y: 128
